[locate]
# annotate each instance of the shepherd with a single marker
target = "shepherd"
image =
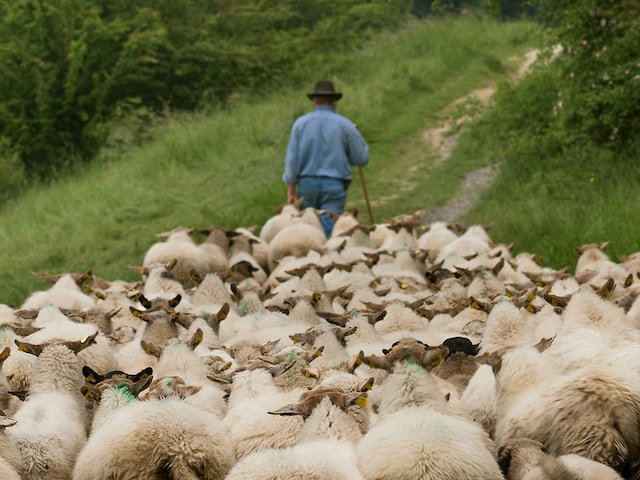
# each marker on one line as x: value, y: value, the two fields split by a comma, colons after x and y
x: 323, y: 146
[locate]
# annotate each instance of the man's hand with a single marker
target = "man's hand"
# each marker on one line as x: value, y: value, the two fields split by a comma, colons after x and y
x: 292, y: 197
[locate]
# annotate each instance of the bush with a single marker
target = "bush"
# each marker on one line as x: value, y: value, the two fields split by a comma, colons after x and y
x: 68, y: 66
x: 598, y: 68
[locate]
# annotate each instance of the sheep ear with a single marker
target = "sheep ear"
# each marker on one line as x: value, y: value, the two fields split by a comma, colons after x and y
x: 281, y: 368
x: 140, y: 385
x: 146, y: 373
x: 140, y: 270
x: 290, y: 410
x: 91, y: 392
x: 22, y: 394
x: 267, y: 347
x: 188, y: 390
x: 317, y: 354
x: 355, y: 362
x: 196, y: 339
x: 175, y: 301
x: 6, y: 421
x: 360, y: 399
x: 138, y: 313
x: 77, y: 347
x: 182, y: 319
x: 378, y: 362
x: 435, y: 356
x: 215, y: 321
x: 171, y: 265
x: 91, y: 376
x: 150, y: 349
x: 367, y: 385
x: 4, y: 355
x: 29, y: 347
x: 144, y: 301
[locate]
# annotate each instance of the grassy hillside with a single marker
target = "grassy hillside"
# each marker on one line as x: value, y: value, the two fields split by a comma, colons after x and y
x: 224, y: 168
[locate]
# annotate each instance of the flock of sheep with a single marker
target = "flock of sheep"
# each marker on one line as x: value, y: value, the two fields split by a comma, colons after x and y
x: 396, y: 351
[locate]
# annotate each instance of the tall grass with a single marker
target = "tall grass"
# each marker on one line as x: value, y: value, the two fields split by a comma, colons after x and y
x: 225, y: 168
x: 555, y: 192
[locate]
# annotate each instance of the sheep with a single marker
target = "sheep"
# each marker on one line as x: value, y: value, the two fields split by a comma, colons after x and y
x: 525, y: 459
x: 52, y: 424
x: 324, y: 449
x: 259, y: 247
x: 319, y: 460
x: 422, y: 442
x: 479, y: 401
x: 505, y: 327
x: 251, y: 428
x: 241, y: 251
x: 55, y: 326
x: 64, y: 293
x: 435, y: 236
x: 216, y: 249
x: 475, y: 240
x: 17, y: 367
x: 286, y: 215
x: 179, y: 365
x: 179, y: 248
x: 592, y: 411
x: 160, y: 283
x: 295, y: 240
x: 10, y: 461
x: 398, y: 320
x: 187, y: 443
x: 345, y: 391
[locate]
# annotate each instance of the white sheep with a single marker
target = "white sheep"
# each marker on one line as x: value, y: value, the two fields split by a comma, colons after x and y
x: 180, y: 364
x: 64, y: 293
x: 145, y: 440
x: 52, y: 424
x: 251, y: 428
x: 295, y: 240
x: 286, y: 215
x: 10, y: 460
x: 420, y: 442
x: 506, y: 327
x: 216, y: 249
x: 479, y: 399
x: 434, y: 237
x: 180, y: 248
x: 319, y: 460
x: 324, y: 450
x: 591, y: 411
x: 525, y: 459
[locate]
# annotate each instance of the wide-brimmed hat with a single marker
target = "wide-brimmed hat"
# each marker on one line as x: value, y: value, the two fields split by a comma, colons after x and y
x: 325, y: 88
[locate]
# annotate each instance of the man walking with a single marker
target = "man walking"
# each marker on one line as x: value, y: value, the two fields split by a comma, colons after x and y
x: 322, y: 148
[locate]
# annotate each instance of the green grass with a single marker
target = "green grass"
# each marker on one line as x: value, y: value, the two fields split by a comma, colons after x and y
x: 225, y: 168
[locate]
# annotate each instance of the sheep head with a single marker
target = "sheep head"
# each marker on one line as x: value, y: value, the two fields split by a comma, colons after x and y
x: 311, y: 399
x: 75, y: 346
x: 412, y: 350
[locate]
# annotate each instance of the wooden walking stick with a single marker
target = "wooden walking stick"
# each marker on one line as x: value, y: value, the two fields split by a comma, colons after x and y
x: 366, y: 195
x: 364, y: 189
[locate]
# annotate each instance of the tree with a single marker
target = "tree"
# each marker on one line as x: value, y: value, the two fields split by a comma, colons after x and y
x: 599, y: 68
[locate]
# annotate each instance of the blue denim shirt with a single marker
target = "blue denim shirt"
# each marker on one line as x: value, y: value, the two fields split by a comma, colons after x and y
x: 323, y: 144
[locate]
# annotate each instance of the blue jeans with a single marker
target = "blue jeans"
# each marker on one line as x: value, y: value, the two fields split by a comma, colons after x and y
x: 323, y: 193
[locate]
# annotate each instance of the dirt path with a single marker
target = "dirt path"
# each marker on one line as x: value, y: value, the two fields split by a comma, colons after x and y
x: 477, y: 181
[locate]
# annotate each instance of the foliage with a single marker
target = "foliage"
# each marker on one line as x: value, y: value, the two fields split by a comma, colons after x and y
x: 224, y: 166
x: 599, y: 69
x: 69, y: 68
x: 566, y: 135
